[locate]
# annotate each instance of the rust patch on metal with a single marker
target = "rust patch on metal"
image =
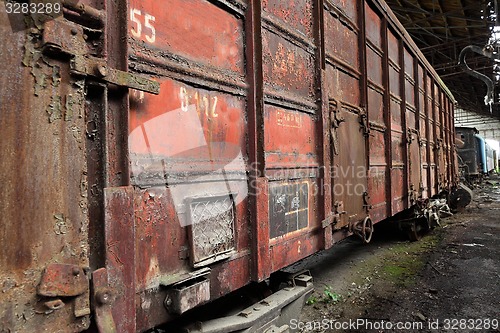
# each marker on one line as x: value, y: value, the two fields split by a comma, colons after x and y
x: 195, y: 30
x: 287, y: 67
x: 297, y: 15
x: 63, y: 280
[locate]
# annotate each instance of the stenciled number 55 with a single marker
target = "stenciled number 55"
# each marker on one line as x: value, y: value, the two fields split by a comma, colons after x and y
x: 136, y: 17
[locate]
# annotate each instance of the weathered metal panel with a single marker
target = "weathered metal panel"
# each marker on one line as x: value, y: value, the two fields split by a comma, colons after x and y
x: 409, y: 63
x: 425, y: 180
x: 348, y: 8
x: 349, y: 169
x: 290, y: 138
x: 188, y: 150
x: 394, y: 80
x: 43, y: 201
x: 341, y: 38
x: 373, y: 26
x: 376, y: 107
x: 393, y: 51
x: 397, y: 192
x: 398, y: 171
x: 374, y: 58
x: 349, y: 174
x: 396, y: 119
x: 423, y: 125
x: 297, y: 15
x: 414, y: 167
x: 195, y: 30
x: 119, y: 237
x: 296, y: 248
x: 287, y: 68
x: 340, y: 80
x: 410, y: 93
x: 290, y: 129
x: 377, y: 189
x: 213, y: 124
x: 377, y: 148
x: 410, y: 118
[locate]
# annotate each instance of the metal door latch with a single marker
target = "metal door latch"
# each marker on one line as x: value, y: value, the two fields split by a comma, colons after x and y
x: 68, y: 38
x: 96, y: 67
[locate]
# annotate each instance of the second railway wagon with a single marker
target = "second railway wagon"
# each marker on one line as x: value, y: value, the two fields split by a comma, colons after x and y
x: 157, y: 155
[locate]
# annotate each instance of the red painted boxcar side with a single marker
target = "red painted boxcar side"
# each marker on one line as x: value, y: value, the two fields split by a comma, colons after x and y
x: 168, y: 153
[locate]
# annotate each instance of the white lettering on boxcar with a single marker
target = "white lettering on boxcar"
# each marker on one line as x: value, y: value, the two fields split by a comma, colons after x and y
x: 137, y: 25
x: 204, y: 103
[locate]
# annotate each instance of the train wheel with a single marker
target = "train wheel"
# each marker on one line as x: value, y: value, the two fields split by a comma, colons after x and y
x: 364, y: 230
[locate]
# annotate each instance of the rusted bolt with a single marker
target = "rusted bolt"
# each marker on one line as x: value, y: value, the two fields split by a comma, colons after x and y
x: 33, y: 31
x: 103, y: 297
x: 76, y: 271
x: 168, y: 302
x: 101, y: 70
x: 74, y: 32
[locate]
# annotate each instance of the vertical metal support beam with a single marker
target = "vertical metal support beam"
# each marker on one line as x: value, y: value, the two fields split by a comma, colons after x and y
x: 120, y: 255
x: 323, y: 127
x: 96, y: 129
x: 404, y: 123
x: 452, y: 143
x: 441, y: 152
x: 364, y: 81
x: 387, y: 115
x: 258, y: 185
x: 447, y: 140
x: 434, y: 150
x: 116, y: 53
x: 428, y: 110
x: 417, y: 96
x: 453, y: 176
x: 456, y: 176
x: 362, y: 61
x: 418, y: 113
x: 119, y: 228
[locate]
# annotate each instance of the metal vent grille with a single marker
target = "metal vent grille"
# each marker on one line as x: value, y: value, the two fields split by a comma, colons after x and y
x: 212, y: 230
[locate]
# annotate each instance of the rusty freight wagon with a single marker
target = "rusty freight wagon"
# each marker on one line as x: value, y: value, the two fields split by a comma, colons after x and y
x: 158, y: 155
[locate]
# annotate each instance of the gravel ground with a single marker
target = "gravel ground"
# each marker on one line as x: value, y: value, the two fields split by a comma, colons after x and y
x: 447, y: 282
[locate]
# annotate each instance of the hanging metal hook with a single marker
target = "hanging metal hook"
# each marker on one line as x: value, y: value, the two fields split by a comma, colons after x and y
x: 487, y: 51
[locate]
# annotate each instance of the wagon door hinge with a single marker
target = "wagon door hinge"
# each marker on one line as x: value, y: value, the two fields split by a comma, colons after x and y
x: 62, y: 37
x: 413, y: 194
x: 438, y: 144
x: 366, y: 202
x: 62, y: 284
x: 335, y: 122
x: 334, y: 217
x: 363, y: 120
x: 409, y: 137
x: 103, y: 298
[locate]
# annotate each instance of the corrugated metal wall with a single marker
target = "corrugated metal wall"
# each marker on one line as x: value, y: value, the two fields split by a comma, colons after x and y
x: 488, y: 127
